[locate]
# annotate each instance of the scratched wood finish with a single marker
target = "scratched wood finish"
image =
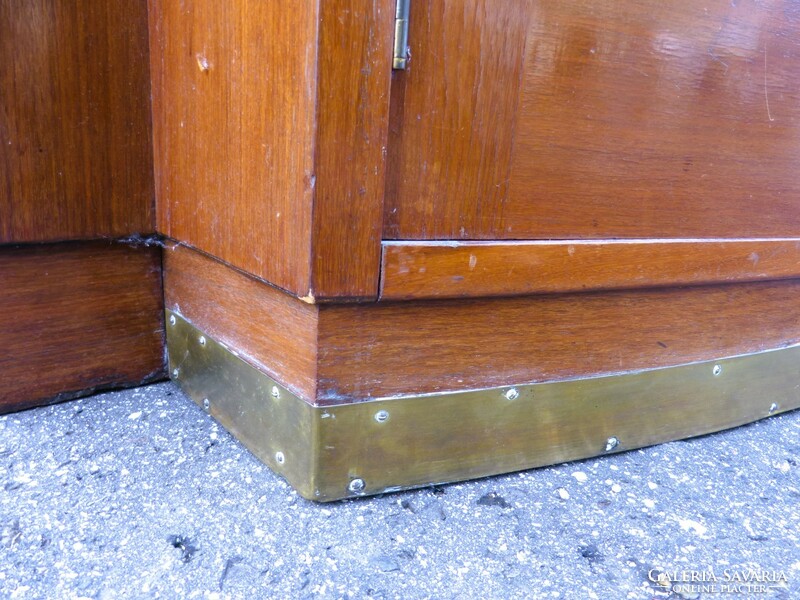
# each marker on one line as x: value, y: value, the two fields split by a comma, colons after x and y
x: 267, y: 327
x: 234, y: 101
x: 480, y: 269
x: 398, y: 348
x: 75, y: 141
x: 355, y: 49
x: 597, y: 119
x: 76, y: 318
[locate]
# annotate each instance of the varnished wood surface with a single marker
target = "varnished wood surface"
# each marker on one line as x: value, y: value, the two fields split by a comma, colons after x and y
x: 412, y: 270
x: 341, y: 353
x: 234, y: 111
x: 452, y: 119
x: 395, y: 348
x: 270, y: 134
x: 587, y: 119
x: 75, y: 138
x: 76, y: 318
x: 267, y: 327
x: 355, y: 41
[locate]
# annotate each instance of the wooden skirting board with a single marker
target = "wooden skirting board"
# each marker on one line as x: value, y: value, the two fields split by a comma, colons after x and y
x: 332, y: 354
x: 77, y: 318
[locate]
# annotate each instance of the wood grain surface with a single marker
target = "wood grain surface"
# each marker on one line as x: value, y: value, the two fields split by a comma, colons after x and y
x: 400, y: 348
x: 342, y: 353
x: 597, y: 119
x: 76, y: 318
x: 452, y: 119
x: 355, y: 49
x: 413, y: 270
x: 269, y: 328
x: 75, y: 137
x: 234, y: 112
x: 270, y: 136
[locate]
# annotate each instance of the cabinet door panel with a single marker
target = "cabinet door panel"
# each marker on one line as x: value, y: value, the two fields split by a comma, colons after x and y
x: 593, y: 119
x: 452, y: 119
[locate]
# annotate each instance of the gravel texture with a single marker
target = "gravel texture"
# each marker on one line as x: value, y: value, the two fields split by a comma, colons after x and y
x: 139, y: 494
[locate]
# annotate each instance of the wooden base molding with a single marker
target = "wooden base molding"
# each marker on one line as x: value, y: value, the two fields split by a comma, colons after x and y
x: 328, y: 453
x: 337, y: 354
x: 77, y: 318
x: 355, y: 399
x: 352, y: 399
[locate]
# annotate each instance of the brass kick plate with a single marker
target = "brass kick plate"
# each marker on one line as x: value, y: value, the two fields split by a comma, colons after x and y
x: 334, y: 452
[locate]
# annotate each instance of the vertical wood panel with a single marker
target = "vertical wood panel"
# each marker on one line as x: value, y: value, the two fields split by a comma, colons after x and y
x: 355, y: 52
x: 452, y: 121
x: 75, y: 141
x: 234, y: 100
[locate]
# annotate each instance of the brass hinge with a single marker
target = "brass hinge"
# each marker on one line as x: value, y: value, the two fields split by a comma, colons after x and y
x: 401, y: 34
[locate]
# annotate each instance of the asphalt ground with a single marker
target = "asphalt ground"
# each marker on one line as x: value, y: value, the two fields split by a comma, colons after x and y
x: 140, y: 494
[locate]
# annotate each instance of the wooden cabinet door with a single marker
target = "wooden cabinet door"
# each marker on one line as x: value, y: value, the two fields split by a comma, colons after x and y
x: 545, y: 119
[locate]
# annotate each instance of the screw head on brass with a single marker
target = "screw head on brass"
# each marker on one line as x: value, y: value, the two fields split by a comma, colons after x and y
x: 511, y: 394
x: 175, y: 372
x: 280, y: 458
x: 202, y: 340
x: 172, y: 320
x: 716, y: 370
x: 773, y: 407
x: 206, y: 403
x: 357, y: 486
x: 275, y: 392
x: 382, y: 416
x: 611, y: 443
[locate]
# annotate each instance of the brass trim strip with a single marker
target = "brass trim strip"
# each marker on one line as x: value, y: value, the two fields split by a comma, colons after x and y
x: 328, y: 453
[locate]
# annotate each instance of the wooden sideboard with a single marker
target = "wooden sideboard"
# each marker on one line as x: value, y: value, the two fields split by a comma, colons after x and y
x: 563, y: 229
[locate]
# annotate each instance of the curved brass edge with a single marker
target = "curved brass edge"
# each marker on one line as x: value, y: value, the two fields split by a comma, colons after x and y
x: 329, y: 453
